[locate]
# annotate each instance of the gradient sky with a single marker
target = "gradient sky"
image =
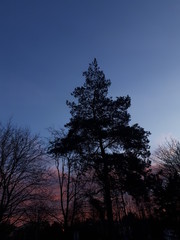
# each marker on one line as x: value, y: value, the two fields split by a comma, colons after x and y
x: 45, y: 45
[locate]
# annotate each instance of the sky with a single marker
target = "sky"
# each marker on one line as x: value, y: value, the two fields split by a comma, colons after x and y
x: 45, y: 45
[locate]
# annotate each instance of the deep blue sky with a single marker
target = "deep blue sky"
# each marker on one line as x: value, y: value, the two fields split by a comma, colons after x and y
x: 45, y: 45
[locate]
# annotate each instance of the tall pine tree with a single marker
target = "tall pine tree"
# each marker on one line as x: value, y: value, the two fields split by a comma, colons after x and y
x: 99, y: 131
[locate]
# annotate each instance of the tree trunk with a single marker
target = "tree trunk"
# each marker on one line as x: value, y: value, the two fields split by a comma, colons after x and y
x: 107, y: 195
x: 106, y: 183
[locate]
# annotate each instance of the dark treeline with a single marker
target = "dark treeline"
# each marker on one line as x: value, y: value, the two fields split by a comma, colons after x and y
x: 94, y: 180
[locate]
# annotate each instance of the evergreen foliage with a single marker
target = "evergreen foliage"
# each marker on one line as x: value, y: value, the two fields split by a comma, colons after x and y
x: 100, y: 132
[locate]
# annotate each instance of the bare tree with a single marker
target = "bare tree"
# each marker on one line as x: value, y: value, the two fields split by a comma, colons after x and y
x: 167, y: 188
x: 22, y: 171
x: 69, y: 175
x: 167, y: 156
